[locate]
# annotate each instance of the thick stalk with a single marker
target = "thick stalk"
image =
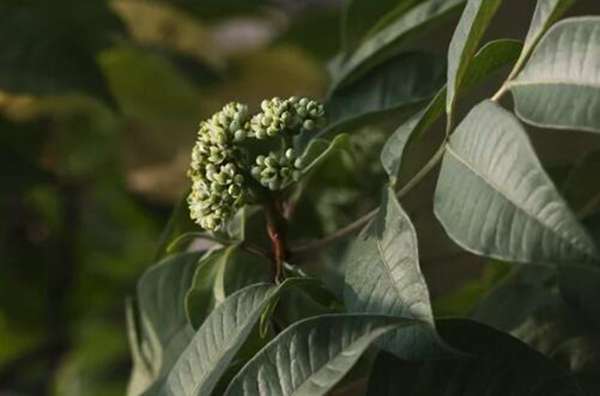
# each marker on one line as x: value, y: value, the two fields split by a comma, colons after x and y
x: 276, y: 229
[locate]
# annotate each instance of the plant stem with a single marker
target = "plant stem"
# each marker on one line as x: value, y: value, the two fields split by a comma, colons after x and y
x: 500, y: 92
x: 341, y: 233
x: 360, y: 222
x: 513, y: 73
x: 276, y: 229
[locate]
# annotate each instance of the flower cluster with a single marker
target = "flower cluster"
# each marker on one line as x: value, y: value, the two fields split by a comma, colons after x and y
x: 277, y: 171
x: 219, y: 162
x: 217, y: 183
x: 286, y: 116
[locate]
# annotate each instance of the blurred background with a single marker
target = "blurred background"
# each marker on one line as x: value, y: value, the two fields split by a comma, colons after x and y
x: 99, y: 106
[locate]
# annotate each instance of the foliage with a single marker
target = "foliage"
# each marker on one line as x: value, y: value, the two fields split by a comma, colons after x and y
x: 493, y: 199
x: 314, y: 249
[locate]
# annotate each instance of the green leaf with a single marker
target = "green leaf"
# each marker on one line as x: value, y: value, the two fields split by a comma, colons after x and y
x: 402, y: 83
x: 359, y: 17
x: 49, y: 48
x: 142, y: 376
x: 215, y: 344
x: 319, y: 150
x: 559, y: 86
x: 546, y: 13
x: 386, y: 43
x: 500, y: 365
x: 473, y: 23
x: 218, y: 275
x: 163, y: 328
x: 494, y: 198
x: 493, y: 56
x: 383, y: 276
x: 179, y: 223
x: 312, y: 356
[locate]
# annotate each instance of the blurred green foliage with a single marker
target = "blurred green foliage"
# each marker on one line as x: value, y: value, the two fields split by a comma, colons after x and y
x: 99, y: 102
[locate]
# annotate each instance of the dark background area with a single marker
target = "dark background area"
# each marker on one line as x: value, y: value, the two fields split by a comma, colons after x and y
x: 99, y: 103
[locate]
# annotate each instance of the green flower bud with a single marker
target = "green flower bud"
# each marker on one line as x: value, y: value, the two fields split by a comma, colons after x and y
x: 289, y: 154
x: 218, y: 187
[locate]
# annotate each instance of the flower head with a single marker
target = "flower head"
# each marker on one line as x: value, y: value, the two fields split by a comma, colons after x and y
x: 217, y: 182
x: 276, y: 171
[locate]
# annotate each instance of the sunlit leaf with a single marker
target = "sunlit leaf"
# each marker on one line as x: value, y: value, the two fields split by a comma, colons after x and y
x: 313, y: 355
x: 493, y: 56
x: 494, y: 198
x: 215, y: 344
x: 383, y: 276
x: 558, y: 87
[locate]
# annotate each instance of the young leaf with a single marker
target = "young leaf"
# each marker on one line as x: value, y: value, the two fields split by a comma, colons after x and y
x: 319, y: 150
x: 179, y: 223
x: 219, y: 274
x: 559, y: 85
x: 493, y: 56
x: 494, y: 198
x: 164, y: 328
x: 383, y: 276
x: 215, y: 344
x: 401, y: 83
x: 310, y: 357
x: 473, y: 23
x: 498, y: 365
x: 385, y: 43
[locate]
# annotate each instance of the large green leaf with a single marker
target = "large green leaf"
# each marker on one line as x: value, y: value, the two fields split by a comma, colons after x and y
x: 163, y: 331
x: 494, y: 198
x: 493, y: 56
x: 49, y: 48
x: 216, y: 343
x: 385, y: 43
x: 310, y: 357
x: 559, y: 86
x: 402, y: 83
x: 499, y: 365
x: 473, y: 23
x: 383, y: 276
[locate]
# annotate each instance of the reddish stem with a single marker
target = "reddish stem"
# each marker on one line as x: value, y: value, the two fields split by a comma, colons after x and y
x: 276, y: 229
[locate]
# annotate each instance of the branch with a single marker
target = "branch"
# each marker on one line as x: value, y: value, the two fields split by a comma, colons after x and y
x: 339, y: 234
